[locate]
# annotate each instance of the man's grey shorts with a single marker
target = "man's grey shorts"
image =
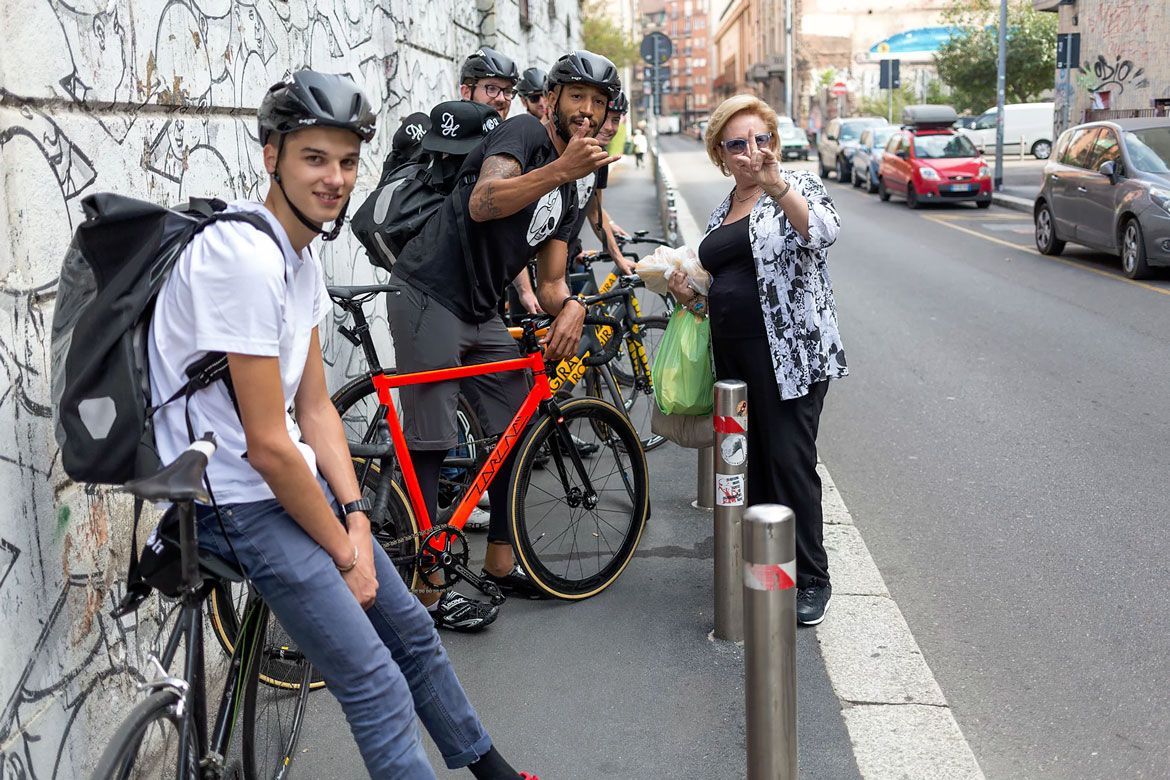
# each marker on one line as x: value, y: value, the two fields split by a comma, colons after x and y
x: 428, y: 336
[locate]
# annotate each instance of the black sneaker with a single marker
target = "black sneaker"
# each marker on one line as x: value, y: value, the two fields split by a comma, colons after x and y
x: 459, y: 613
x: 516, y: 583
x: 812, y: 603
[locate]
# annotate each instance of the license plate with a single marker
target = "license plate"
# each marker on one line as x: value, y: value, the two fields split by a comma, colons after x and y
x: 964, y: 187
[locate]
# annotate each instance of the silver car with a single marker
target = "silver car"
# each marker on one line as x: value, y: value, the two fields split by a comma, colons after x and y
x: 1107, y: 186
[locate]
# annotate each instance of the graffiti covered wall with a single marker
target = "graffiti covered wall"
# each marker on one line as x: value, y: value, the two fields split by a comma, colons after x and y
x: 156, y: 99
x: 1123, y: 64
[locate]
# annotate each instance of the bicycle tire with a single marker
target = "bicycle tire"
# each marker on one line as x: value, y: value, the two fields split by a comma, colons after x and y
x: 623, y: 507
x: 623, y: 367
x: 121, y: 760
x: 638, y: 398
x: 273, y: 714
x: 357, y: 403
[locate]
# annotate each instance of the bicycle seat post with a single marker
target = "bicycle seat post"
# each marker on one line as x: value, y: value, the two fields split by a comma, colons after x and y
x: 192, y: 576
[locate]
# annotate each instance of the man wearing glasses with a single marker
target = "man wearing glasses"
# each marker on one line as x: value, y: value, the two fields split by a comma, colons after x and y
x: 490, y: 78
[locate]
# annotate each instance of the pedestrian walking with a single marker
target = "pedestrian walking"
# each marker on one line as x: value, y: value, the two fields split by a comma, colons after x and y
x: 773, y: 321
x: 640, y: 145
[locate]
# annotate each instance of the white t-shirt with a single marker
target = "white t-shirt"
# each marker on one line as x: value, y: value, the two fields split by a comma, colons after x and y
x: 233, y: 290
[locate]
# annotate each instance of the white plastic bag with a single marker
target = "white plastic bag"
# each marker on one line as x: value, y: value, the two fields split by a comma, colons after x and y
x: 657, y: 269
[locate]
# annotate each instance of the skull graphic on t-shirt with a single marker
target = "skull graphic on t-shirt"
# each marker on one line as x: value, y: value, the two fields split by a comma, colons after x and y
x: 545, y: 217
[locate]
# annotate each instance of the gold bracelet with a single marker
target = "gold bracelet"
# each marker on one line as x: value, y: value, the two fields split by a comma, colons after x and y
x: 352, y: 564
x: 783, y: 192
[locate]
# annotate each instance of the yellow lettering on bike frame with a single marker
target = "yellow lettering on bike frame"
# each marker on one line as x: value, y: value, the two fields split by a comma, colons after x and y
x: 568, y: 372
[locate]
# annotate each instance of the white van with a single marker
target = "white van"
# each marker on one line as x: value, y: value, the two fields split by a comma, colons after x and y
x: 1030, y: 122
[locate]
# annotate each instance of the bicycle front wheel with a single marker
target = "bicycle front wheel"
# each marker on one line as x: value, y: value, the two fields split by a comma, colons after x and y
x: 576, y: 530
x: 149, y: 742
x: 273, y: 712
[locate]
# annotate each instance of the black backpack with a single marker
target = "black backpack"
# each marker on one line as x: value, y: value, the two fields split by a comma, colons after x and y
x: 116, y: 265
x: 397, y: 211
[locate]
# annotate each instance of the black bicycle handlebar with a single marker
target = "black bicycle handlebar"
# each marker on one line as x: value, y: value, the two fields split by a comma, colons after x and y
x: 610, y: 349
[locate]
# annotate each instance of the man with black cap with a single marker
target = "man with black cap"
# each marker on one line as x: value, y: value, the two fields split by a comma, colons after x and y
x: 532, y: 91
x: 406, y: 146
x: 443, y: 303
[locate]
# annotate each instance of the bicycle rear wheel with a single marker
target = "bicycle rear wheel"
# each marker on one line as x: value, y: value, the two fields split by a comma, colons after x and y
x: 274, y: 712
x: 573, y: 543
x: 147, y: 744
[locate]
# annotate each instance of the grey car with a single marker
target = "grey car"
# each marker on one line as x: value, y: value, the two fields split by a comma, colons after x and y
x: 839, y: 141
x: 868, y: 157
x: 1107, y: 186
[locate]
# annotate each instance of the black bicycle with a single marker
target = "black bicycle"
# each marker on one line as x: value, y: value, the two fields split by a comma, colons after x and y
x: 166, y: 734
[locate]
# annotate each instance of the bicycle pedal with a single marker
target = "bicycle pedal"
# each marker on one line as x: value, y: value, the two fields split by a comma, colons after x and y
x: 483, y: 585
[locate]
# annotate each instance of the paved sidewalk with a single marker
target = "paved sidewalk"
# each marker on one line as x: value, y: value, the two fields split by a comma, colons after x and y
x: 627, y: 684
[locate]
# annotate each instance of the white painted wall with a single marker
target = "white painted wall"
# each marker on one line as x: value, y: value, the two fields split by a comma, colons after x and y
x: 156, y: 99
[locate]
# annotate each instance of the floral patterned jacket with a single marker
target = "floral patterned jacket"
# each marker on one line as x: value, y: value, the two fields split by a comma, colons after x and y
x: 796, y: 294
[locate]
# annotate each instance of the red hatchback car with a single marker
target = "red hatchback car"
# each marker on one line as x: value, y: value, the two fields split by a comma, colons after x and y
x: 927, y: 161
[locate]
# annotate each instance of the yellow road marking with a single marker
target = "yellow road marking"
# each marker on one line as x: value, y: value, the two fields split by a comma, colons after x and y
x: 1038, y: 253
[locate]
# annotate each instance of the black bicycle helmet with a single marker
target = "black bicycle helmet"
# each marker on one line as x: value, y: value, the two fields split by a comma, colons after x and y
x: 488, y: 63
x: 585, y: 67
x: 312, y: 99
x: 620, y: 104
x: 532, y: 82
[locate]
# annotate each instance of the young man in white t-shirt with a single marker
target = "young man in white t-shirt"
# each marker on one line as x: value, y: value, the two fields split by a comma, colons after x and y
x: 277, y: 478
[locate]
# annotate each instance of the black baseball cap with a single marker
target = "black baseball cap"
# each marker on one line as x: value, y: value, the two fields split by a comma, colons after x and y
x: 457, y: 126
x: 411, y: 132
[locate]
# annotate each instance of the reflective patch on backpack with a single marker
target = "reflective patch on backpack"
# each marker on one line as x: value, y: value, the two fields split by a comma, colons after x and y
x: 97, y: 415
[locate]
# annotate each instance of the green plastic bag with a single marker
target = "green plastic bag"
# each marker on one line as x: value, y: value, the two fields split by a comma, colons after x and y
x: 684, y: 380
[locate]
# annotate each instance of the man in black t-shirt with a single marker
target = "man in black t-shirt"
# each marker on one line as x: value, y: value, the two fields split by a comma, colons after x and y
x: 443, y: 303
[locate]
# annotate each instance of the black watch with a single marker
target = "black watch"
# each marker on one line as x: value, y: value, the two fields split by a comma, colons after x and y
x: 361, y: 505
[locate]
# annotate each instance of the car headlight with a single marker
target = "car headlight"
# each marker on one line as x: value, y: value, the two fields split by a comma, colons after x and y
x: 928, y: 173
x: 984, y: 172
x: 1161, y: 199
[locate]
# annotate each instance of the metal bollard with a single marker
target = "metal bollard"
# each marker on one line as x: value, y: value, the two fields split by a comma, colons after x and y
x: 730, y: 423
x: 769, y: 654
x: 706, y: 482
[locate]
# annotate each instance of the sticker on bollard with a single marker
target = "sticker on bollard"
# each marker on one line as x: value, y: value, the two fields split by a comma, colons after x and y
x: 729, y: 424
x: 769, y: 576
x: 734, y: 449
x: 729, y: 490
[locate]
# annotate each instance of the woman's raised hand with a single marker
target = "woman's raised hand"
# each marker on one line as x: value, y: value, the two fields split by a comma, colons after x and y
x: 760, y: 165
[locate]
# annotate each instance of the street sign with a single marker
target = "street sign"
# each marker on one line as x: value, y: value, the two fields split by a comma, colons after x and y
x: 656, y: 48
x: 839, y: 88
x: 1068, y: 50
x: 890, y: 76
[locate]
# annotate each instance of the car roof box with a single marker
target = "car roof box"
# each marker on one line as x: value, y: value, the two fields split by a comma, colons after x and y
x: 928, y: 117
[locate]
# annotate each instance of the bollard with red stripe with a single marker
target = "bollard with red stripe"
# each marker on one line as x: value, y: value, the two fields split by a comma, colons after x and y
x: 730, y: 423
x: 769, y: 652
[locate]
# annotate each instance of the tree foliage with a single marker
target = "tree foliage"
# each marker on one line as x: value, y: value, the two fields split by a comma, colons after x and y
x: 967, y: 63
x: 603, y: 36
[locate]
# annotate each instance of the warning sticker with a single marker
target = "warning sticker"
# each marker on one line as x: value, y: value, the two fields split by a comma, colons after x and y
x: 769, y: 576
x: 729, y: 489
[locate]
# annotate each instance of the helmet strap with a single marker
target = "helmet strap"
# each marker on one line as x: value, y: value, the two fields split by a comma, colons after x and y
x: 316, y: 227
x: 562, y: 131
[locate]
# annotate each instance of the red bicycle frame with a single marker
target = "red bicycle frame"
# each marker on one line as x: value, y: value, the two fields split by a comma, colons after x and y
x: 539, y: 393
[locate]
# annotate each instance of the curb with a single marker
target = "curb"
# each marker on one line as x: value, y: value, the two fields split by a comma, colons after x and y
x: 898, y: 720
x: 1012, y: 202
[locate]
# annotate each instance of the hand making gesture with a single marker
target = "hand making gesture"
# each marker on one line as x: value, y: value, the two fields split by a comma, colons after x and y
x: 584, y: 154
x: 758, y: 162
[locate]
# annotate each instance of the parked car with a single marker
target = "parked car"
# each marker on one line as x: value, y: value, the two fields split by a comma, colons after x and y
x: 1107, y: 187
x: 1027, y: 123
x: 929, y: 161
x: 838, y: 143
x: 868, y: 156
x: 965, y: 122
x: 794, y: 143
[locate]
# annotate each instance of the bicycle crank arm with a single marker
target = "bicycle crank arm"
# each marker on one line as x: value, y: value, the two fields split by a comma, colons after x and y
x: 483, y: 585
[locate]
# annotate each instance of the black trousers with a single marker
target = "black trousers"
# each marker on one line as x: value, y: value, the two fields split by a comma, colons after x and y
x: 782, y: 448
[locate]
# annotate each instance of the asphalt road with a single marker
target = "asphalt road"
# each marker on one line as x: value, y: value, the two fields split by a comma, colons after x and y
x: 1002, y: 444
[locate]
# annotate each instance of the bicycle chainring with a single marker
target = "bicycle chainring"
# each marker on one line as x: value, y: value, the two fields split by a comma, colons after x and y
x: 442, y: 552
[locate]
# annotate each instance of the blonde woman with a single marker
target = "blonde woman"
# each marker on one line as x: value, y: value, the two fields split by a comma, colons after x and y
x: 773, y: 321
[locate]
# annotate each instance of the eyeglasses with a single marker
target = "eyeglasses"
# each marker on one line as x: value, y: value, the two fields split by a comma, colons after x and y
x: 740, y: 145
x: 494, y: 91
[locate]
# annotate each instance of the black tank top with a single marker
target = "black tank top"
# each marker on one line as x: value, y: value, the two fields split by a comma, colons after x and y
x: 734, y: 297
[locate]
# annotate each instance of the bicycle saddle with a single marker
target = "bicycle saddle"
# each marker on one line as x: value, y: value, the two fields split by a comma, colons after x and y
x: 349, y: 293
x: 641, y: 233
x: 182, y: 480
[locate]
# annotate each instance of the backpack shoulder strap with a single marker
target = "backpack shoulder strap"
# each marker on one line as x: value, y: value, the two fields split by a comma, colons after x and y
x: 255, y: 220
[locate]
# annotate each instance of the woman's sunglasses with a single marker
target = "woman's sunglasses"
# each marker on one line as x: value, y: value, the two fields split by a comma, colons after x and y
x: 740, y: 145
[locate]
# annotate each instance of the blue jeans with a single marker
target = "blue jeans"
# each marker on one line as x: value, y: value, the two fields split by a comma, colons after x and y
x: 383, y: 664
